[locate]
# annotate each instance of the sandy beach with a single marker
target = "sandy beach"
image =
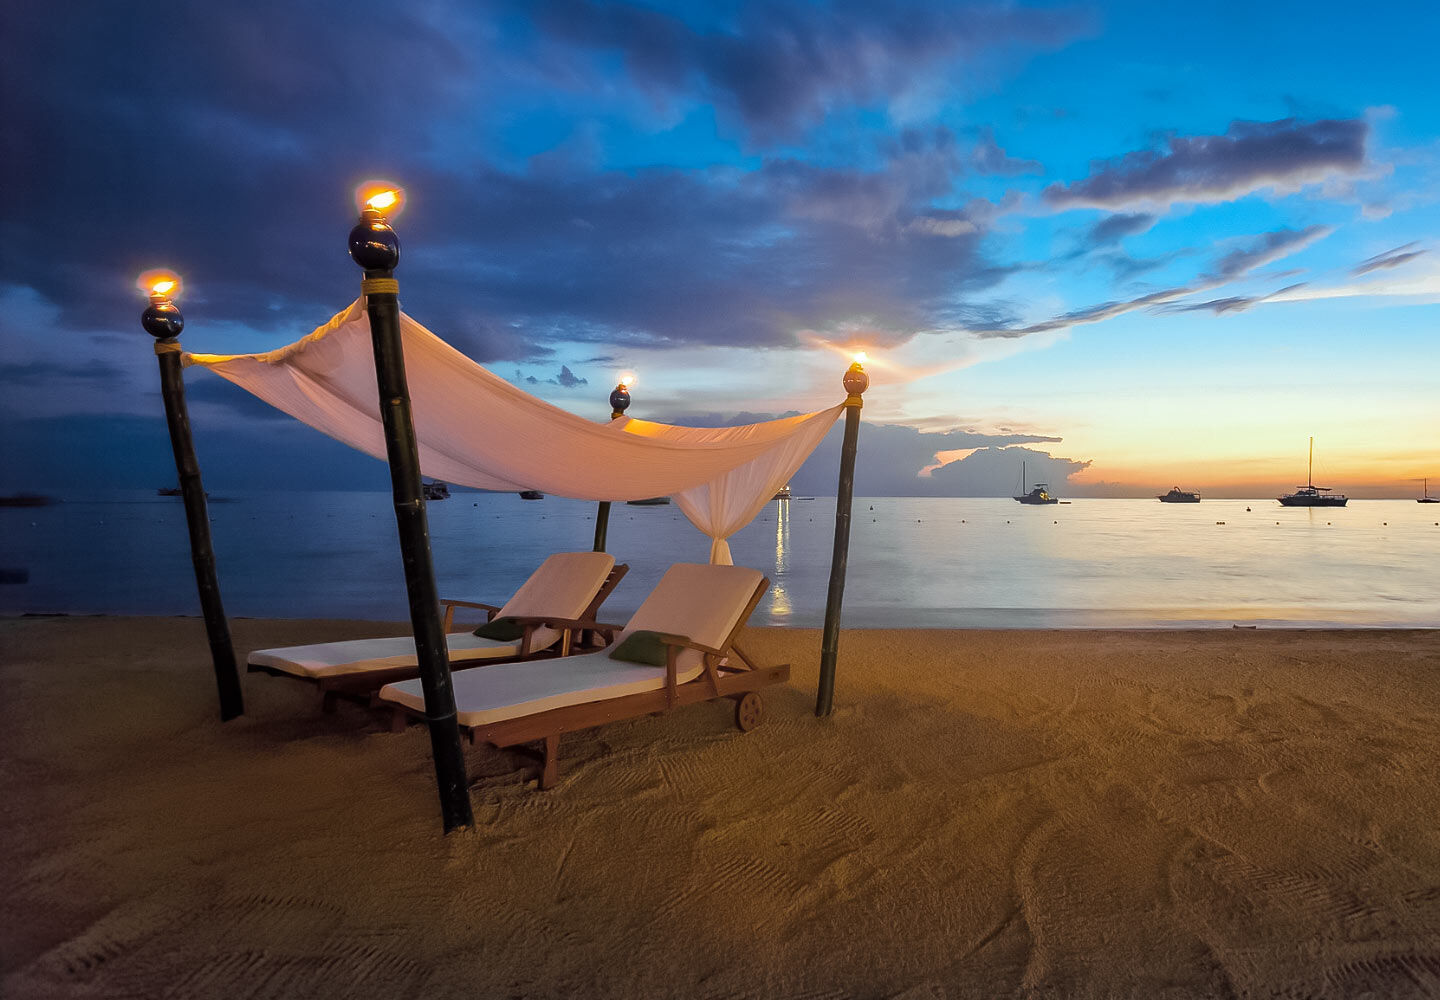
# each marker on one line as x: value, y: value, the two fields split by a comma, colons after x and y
x: 987, y: 814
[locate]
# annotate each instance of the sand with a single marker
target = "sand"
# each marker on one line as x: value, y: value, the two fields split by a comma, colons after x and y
x: 987, y: 814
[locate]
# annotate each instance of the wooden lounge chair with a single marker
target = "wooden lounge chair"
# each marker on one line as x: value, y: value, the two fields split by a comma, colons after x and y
x: 698, y: 609
x: 567, y: 584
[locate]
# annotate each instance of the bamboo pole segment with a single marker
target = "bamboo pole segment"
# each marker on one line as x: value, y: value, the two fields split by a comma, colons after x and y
x: 619, y: 403
x: 163, y: 321
x: 855, y: 382
x: 375, y: 247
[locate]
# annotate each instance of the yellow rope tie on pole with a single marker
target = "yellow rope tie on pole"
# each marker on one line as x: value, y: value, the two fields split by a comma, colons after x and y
x: 855, y: 401
x: 168, y: 347
x: 380, y: 286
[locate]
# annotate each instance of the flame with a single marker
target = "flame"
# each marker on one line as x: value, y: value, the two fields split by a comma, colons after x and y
x: 380, y: 196
x: 159, y: 283
x: 627, y: 379
x: 860, y: 357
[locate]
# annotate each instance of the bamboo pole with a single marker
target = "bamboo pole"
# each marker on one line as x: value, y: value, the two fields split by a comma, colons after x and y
x: 163, y: 321
x: 375, y: 247
x: 619, y: 403
x: 855, y: 382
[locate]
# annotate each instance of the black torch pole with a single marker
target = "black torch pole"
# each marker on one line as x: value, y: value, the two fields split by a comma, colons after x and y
x: 375, y: 247
x: 163, y: 321
x: 855, y: 382
x: 619, y: 401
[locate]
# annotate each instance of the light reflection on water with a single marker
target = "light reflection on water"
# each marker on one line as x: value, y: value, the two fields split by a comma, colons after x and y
x: 913, y: 561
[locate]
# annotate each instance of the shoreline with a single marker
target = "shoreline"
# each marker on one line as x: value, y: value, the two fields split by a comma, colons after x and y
x: 988, y: 813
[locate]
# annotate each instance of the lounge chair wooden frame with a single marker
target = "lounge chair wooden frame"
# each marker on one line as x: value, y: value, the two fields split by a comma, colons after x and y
x: 721, y: 677
x: 360, y: 687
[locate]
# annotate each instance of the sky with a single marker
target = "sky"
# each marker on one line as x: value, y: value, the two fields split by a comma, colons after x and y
x: 1131, y: 245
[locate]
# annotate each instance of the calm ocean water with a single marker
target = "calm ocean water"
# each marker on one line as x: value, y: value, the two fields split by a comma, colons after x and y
x: 913, y: 561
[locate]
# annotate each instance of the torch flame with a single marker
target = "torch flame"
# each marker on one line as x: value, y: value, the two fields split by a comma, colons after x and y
x: 382, y: 201
x: 627, y: 379
x: 380, y: 196
x: 159, y: 283
x: 860, y: 357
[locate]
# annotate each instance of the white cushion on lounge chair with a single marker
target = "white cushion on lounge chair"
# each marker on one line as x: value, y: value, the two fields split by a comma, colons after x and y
x: 703, y: 602
x: 563, y: 586
x: 358, y: 656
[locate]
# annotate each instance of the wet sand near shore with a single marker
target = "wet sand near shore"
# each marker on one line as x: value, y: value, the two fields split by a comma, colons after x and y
x: 987, y: 814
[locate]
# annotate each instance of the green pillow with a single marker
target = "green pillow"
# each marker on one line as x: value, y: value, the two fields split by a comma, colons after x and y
x: 502, y: 630
x: 642, y: 647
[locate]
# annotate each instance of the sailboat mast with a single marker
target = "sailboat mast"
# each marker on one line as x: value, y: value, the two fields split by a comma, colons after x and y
x: 1310, y: 467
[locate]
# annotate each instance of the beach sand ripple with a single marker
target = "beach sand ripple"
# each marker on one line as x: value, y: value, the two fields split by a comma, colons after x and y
x: 987, y: 814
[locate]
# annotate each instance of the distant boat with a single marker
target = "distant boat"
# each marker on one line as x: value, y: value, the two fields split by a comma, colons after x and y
x: 649, y: 502
x: 26, y: 500
x: 531, y: 495
x: 1311, y: 495
x: 1039, y: 495
x: 1425, y: 496
x: 175, y: 491
x: 435, y: 490
x: 784, y: 493
x: 1177, y: 495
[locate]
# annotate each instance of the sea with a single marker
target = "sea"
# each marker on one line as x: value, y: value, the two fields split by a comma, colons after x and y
x: 913, y: 562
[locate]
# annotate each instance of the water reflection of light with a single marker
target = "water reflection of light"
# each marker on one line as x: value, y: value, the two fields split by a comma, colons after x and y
x: 780, y: 600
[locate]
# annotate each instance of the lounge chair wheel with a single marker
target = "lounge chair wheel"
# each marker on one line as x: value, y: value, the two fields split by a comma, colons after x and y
x: 749, y: 712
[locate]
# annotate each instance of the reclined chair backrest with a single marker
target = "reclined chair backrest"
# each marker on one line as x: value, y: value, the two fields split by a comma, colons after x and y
x: 563, y: 587
x: 700, y: 601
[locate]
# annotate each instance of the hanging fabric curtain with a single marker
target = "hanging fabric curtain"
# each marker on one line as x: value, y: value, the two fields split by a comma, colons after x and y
x: 476, y: 429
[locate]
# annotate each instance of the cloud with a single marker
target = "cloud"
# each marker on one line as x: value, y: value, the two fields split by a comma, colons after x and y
x: 567, y: 379
x: 779, y: 68
x: 1390, y: 258
x: 1285, y: 155
x: 1268, y: 248
x: 1263, y: 249
x: 988, y: 158
x: 1113, y: 228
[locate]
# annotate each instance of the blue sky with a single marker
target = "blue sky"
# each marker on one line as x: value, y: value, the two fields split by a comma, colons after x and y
x: 1137, y: 245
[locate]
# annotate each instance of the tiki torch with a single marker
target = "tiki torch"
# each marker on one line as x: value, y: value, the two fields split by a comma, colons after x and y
x: 855, y: 382
x: 375, y: 247
x: 162, y: 320
x: 619, y: 403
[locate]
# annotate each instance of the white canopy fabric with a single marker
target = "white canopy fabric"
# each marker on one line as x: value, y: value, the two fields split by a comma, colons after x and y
x: 476, y: 429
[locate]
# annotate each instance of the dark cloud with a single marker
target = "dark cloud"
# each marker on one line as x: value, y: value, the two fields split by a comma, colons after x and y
x: 779, y: 68
x: 1262, y: 250
x: 568, y: 379
x: 996, y: 472
x: 1285, y: 154
x: 1390, y: 258
x: 1267, y: 248
x: 988, y: 158
x: 1113, y: 228
x: 1232, y: 303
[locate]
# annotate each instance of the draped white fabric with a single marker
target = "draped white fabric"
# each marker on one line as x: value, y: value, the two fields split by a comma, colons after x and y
x: 476, y: 429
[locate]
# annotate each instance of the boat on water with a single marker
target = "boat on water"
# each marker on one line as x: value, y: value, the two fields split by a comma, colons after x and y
x: 1311, y: 495
x: 1039, y: 495
x: 26, y: 500
x: 649, y: 502
x: 435, y: 490
x: 175, y: 491
x: 1177, y: 495
x: 531, y: 495
x: 1425, y: 496
x: 784, y: 493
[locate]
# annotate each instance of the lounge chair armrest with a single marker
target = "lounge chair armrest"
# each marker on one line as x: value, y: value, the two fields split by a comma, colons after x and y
x: 449, y: 604
x: 685, y: 642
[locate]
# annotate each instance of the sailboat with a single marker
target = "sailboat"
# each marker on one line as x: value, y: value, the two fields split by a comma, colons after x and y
x: 1425, y: 496
x: 1040, y: 494
x: 1311, y: 495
